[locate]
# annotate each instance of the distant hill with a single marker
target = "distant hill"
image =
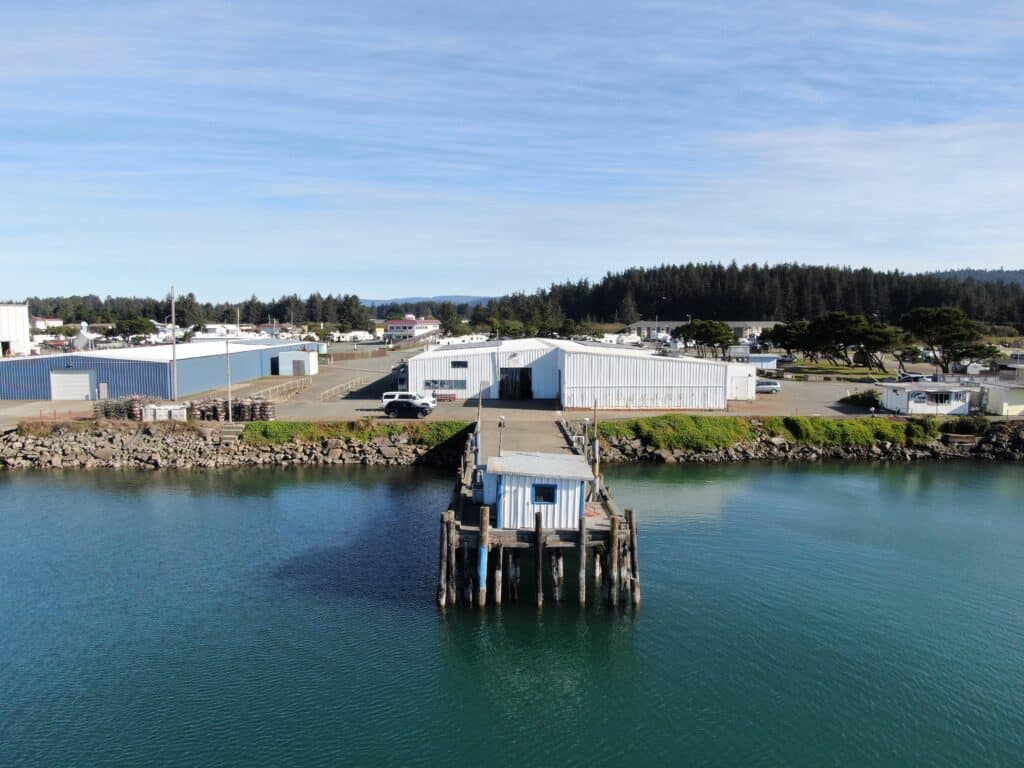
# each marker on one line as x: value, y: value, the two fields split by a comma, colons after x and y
x: 1015, y: 276
x: 471, y: 300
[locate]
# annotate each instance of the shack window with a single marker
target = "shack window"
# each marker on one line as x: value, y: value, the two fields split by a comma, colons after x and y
x: 460, y: 363
x: 940, y: 398
x: 544, y: 493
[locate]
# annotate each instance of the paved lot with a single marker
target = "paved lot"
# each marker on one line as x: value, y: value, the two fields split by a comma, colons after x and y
x: 796, y: 398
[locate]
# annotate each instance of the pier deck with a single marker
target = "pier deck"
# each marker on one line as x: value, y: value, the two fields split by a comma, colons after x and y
x: 477, y: 557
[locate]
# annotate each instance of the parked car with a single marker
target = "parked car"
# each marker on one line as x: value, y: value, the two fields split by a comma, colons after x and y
x: 407, y: 409
x: 415, y: 397
x: 768, y: 387
x: 787, y: 359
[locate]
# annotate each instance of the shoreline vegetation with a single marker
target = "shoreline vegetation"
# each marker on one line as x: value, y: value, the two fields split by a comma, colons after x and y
x: 672, y: 438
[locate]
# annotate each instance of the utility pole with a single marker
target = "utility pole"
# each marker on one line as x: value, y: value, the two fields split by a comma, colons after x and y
x: 174, y: 351
x: 227, y: 359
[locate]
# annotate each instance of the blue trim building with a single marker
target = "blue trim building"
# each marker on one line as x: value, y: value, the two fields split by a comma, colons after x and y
x: 146, y: 370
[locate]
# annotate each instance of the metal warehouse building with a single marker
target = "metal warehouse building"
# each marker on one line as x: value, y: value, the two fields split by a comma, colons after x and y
x: 578, y: 374
x: 138, y: 371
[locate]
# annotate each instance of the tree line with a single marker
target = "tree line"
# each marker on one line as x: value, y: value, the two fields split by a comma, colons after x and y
x: 346, y: 311
x: 784, y: 292
x: 947, y: 333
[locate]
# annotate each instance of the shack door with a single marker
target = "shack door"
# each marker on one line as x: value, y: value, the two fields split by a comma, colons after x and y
x: 516, y: 384
x: 298, y: 367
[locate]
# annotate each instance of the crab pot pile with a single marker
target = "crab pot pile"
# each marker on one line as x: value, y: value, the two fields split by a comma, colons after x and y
x: 247, y: 409
x: 129, y: 408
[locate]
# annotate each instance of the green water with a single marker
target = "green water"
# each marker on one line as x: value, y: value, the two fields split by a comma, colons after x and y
x: 834, y: 615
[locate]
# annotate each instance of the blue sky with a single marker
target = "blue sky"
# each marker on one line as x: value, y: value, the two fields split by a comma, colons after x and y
x: 411, y: 148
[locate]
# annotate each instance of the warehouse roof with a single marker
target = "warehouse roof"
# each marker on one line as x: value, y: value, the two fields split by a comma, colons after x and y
x: 575, y: 347
x: 566, y: 466
x: 162, y: 353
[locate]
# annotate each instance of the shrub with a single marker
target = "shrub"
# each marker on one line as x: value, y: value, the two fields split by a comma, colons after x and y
x: 674, y: 431
x: 921, y: 430
x: 965, y: 425
x: 430, y: 434
x: 848, y: 432
x: 865, y: 398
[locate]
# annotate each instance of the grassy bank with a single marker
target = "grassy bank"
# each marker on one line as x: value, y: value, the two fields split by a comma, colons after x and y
x: 704, y: 433
x: 430, y: 434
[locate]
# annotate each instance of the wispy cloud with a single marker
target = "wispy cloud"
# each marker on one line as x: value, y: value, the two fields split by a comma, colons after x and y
x: 566, y: 138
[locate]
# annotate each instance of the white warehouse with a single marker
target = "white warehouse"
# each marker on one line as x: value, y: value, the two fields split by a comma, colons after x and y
x: 579, y: 374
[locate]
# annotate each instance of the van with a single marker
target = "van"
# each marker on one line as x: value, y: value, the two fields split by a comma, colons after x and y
x: 415, y: 397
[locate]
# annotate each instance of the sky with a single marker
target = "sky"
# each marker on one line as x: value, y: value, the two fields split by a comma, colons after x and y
x: 408, y: 148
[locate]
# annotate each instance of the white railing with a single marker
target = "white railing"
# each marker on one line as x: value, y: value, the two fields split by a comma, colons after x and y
x: 344, y: 388
x: 277, y: 390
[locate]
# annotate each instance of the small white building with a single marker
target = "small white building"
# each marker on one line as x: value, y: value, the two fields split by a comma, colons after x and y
x: 15, y: 333
x: 298, y: 363
x: 350, y: 336
x: 411, y: 327
x: 518, y: 484
x: 926, y: 398
x: 1004, y: 398
x: 46, y: 323
x: 578, y: 375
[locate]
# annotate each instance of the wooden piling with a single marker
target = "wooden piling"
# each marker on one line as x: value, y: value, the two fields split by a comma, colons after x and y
x: 613, y: 566
x: 453, y: 544
x: 626, y: 580
x: 485, y: 545
x: 583, y: 560
x: 635, y: 560
x: 442, y: 577
x: 498, y: 574
x: 513, y: 575
x: 538, y: 527
x: 467, y: 572
x: 557, y: 572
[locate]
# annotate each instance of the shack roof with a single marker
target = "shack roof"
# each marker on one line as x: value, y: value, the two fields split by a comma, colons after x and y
x: 565, y: 466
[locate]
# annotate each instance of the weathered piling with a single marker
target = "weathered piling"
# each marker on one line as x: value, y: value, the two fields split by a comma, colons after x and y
x: 539, y: 543
x: 583, y: 560
x: 467, y: 573
x: 442, y: 577
x: 485, y: 544
x: 557, y: 572
x: 613, y: 565
x: 498, y: 575
x: 513, y: 583
x: 453, y: 544
x: 635, y: 560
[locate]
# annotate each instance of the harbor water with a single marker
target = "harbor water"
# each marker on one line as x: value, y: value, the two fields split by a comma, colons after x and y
x: 847, y: 615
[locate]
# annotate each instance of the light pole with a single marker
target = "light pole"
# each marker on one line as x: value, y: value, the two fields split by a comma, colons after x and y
x: 227, y: 360
x: 174, y: 351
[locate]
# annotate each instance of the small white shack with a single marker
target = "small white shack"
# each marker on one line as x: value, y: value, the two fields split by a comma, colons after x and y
x: 299, y: 363
x: 927, y: 398
x: 518, y: 484
x: 1004, y: 398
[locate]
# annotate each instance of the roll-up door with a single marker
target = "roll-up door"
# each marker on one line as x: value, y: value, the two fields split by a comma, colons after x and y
x: 72, y: 385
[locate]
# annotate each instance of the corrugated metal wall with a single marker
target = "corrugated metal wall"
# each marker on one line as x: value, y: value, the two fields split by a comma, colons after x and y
x: 742, y: 381
x: 517, y: 510
x: 626, y: 381
x: 483, y: 365
x: 544, y: 366
x: 199, y: 374
x: 29, y: 378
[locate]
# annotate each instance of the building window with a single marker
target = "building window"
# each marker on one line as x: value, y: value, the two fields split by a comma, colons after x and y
x: 460, y: 363
x: 444, y: 384
x: 940, y: 398
x: 544, y: 493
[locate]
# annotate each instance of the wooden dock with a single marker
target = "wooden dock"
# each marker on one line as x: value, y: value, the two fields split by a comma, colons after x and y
x: 482, y: 555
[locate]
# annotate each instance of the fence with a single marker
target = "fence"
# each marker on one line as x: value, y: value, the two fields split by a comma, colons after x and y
x: 344, y: 388
x: 286, y: 388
